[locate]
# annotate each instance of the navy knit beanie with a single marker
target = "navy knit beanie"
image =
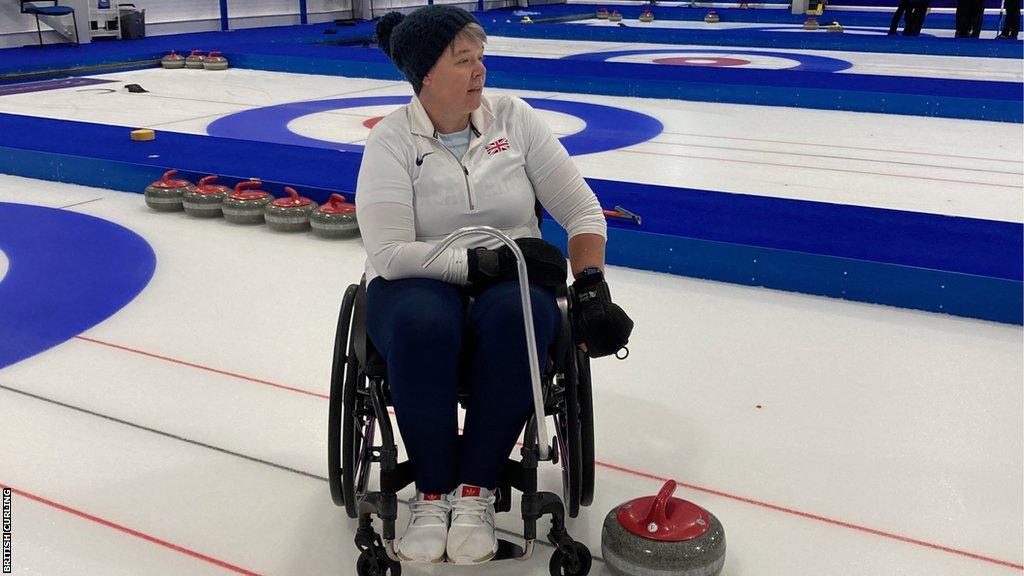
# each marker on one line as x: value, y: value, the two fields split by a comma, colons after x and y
x: 415, y: 42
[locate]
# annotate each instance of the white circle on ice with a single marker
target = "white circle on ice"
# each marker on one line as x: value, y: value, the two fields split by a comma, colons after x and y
x: 5, y: 265
x: 698, y: 58
x: 344, y: 125
x: 562, y: 124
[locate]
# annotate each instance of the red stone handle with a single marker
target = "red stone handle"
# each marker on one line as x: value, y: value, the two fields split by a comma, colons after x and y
x: 207, y: 180
x: 658, y: 514
x: 167, y: 176
x: 247, y: 185
x: 337, y: 200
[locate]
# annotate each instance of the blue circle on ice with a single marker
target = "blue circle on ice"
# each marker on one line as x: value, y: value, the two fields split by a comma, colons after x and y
x: 607, y: 127
x: 805, y: 62
x: 67, y: 272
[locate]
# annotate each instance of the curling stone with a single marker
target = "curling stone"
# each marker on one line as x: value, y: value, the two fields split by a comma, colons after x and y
x: 173, y: 61
x: 811, y: 23
x: 206, y: 199
x: 711, y: 17
x: 195, y: 60
x: 615, y: 16
x: 289, y: 214
x: 602, y: 14
x: 165, y: 194
x: 336, y: 219
x: 246, y: 205
x: 526, y: 20
x: 835, y: 27
x: 647, y: 16
x: 663, y: 535
x: 215, y: 61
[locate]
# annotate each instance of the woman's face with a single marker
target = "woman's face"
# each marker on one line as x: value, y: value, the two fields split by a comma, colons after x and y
x: 457, y: 79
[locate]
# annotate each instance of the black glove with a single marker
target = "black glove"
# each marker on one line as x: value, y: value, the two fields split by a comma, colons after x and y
x: 596, y: 321
x: 545, y: 264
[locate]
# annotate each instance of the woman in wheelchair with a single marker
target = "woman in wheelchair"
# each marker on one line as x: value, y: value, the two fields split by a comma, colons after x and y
x: 453, y: 158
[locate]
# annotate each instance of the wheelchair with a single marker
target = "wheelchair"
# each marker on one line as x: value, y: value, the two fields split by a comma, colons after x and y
x: 360, y: 435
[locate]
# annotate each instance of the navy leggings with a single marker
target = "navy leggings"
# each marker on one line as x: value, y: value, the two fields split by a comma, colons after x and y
x: 420, y: 326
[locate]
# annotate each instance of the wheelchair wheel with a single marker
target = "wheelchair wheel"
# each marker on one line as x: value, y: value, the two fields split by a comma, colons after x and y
x: 586, y: 399
x: 344, y: 362
x: 568, y: 428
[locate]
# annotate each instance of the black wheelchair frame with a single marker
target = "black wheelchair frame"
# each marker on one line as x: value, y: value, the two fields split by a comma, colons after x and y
x: 358, y: 412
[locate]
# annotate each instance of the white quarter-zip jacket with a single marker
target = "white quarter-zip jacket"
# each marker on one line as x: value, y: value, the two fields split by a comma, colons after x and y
x: 413, y: 191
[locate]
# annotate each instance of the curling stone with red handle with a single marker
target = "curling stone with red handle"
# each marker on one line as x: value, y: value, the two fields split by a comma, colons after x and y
x: 246, y: 204
x: 173, y: 60
x: 165, y: 194
x: 664, y: 536
x: 335, y: 219
x: 289, y: 214
x: 206, y: 199
x: 195, y: 60
x: 215, y: 61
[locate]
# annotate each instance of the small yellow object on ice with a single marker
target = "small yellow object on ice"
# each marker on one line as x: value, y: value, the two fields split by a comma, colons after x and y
x: 143, y: 135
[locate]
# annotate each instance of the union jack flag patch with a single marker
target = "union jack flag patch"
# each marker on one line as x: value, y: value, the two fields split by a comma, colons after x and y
x: 499, y: 145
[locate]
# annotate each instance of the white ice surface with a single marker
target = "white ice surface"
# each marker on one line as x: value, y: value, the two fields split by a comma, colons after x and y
x: 908, y: 65
x: 919, y: 164
x: 899, y: 421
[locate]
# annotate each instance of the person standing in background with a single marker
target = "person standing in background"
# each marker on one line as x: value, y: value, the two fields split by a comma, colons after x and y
x: 969, y: 14
x: 1011, y: 25
x: 901, y: 9
x: 916, y: 12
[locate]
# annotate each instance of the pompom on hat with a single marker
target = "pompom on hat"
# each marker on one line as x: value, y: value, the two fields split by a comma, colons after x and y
x: 415, y: 42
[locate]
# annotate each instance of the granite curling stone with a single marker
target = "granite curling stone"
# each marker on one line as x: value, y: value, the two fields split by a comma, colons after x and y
x: 712, y: 17
x: 602, y: 14
x: 647, y: 16
x: 615, y: 16
x: 289, y: 214
x: 215, y: 61
x: 206, y: 199
x: 173, y: 61
x: 246, y: 204
x: 811, y: 23
x: 335, y: 219
x: 166, y: 194
x: 835, y: 27
x: 663, y: 536
x: 195, y: 60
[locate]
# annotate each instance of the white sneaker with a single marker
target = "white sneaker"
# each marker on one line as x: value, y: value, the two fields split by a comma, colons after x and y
x: 424, y: 538
x: 471, y: 537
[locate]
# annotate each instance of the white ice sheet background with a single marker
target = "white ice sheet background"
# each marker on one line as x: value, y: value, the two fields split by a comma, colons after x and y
x: 894, y: 420
x: 919, y: 164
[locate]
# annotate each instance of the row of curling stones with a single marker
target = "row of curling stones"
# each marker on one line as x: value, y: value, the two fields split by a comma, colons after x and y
x: 245, y: 204
x: 663, y: 535
x: 613, y: 16
x: 212, y: 61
